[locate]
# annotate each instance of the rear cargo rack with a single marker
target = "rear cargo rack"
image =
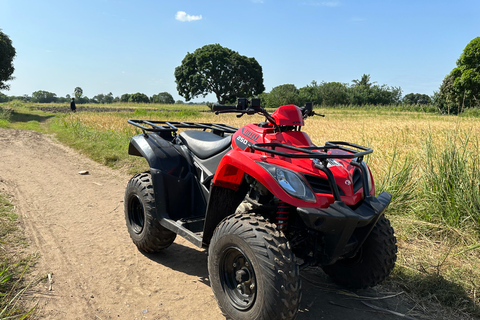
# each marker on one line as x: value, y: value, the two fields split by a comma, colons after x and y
x: 171, y: 127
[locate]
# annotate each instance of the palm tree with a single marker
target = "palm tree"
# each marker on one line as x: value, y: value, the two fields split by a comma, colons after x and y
x: 364, y: 81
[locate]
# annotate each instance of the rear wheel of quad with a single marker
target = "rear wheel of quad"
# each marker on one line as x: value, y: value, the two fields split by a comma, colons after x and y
x: 252, y: 270
x: 145, y: 230
x: 373, y: 262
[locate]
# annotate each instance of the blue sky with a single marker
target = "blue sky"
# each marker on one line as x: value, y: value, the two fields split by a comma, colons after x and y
x: 122, y: 46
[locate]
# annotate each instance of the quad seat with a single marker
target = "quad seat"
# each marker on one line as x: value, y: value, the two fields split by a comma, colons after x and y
x: 205, y: 144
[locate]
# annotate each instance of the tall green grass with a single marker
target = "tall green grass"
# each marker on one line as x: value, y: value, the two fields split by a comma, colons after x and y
x: 399, y: 180
x: 450, y: 181
x: 440, y: 184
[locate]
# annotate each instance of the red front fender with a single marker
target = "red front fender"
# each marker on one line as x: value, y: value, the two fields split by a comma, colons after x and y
x: 235, y: 164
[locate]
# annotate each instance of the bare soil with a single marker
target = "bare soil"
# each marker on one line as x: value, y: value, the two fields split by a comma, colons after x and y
x: 75, y: 224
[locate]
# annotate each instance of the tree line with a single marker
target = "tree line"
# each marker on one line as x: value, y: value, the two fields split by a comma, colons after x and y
x: 229, y: 75
x: 42, y: 96
x: 361, y: 92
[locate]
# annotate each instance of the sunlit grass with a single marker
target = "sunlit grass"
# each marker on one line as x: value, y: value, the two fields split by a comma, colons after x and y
x: 405, y: 144
x: 427, y: 161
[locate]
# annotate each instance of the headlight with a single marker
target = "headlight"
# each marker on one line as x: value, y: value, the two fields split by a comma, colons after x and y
x: 290, y: 181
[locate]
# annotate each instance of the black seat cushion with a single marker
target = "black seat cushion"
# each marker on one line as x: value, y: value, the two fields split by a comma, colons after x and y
x: 204, y: 144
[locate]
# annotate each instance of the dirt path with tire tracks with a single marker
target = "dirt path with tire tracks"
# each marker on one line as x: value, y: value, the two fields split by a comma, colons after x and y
x: 76, y: 225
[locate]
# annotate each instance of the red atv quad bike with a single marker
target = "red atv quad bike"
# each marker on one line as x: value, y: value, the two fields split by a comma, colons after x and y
x: 265, y: 201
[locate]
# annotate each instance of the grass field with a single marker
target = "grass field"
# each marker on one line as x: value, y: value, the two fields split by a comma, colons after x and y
x: 429, y: 162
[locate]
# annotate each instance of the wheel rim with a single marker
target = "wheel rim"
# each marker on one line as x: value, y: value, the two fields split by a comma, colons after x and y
x: 238, y: 278
x: 354, y: 260
x: 136, y: 215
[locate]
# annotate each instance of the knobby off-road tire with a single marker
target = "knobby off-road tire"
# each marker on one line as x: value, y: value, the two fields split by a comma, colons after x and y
x: 252, y: 270
x: 145, y: 230
x: 372, y: 264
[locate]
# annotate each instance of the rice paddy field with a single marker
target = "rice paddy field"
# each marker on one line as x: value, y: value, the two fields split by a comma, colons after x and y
x: 429, y: 162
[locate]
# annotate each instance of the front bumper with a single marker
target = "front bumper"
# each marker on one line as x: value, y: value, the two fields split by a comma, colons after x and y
x: 338, y: 223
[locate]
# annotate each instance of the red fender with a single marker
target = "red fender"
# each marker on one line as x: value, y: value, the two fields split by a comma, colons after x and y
x: 235, y: 164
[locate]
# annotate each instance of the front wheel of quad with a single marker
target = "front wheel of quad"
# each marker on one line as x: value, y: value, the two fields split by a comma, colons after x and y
x: 252, y: 270
x: 373, y: 262
x: 145, y: 230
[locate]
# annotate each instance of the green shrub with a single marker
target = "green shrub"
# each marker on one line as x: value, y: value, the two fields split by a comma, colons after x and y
x: 6, y: 113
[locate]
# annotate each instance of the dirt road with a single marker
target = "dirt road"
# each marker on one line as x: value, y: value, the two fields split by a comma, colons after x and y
x: 76, y: 224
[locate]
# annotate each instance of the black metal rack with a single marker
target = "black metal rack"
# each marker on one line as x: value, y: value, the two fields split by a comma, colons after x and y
x: 356, y: 153
x: 155, y: 126
x: 310, y: 152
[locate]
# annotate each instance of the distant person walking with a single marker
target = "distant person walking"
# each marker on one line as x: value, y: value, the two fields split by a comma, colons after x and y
x: 72, y: 105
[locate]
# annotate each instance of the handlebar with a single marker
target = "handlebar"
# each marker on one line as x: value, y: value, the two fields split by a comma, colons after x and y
x: 223, y: 107
x: 245, y: 106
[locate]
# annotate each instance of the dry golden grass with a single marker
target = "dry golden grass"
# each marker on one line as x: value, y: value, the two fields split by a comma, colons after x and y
x: 445, y: 256
x: 445, y: 253
x: 403, y: 132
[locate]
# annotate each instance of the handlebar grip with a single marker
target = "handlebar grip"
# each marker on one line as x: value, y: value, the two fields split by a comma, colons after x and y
x: 223, y: 107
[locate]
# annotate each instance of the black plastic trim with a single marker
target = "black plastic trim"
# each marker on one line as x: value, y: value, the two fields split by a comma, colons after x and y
x: 338, y: 222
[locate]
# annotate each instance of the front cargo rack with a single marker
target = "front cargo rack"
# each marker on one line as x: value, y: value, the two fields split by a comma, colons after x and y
x: 310, y: 152
x: 355, y: 152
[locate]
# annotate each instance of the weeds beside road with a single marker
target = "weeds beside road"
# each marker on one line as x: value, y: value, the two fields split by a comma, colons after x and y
x: 13, y: 265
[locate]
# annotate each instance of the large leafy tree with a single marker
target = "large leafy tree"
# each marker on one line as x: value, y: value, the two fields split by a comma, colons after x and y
x: 363, y: 92
x: 417, y: 98
x: 103, y: 98
x: 163, y: 97
x: 139, y: 98
x: 219, y: 70
x: 282, y: 95
x: 364, y: 81
x: 333, y: 93
x: 7, y: 53
x: 42, y: 96
x: 125, y: 97
x: 78, y: 92
x: 3, y: 97
x: 310, y: 93
x: 461, y: 88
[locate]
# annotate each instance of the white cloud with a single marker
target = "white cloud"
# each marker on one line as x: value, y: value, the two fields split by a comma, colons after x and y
x: 184, y: 17
x: 323, y: 3
x: 330, y: 4
x: 358, y: 19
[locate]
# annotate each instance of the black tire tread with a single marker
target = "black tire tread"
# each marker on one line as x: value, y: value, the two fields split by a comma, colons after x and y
x: 378, y: 260
x: 276, y: 261
x: 154, y: 237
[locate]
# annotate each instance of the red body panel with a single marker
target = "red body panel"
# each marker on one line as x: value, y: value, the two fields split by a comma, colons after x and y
x: 240, y: 161
x: 289, y: 115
